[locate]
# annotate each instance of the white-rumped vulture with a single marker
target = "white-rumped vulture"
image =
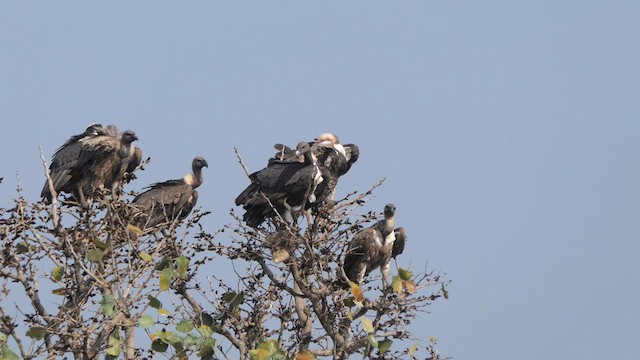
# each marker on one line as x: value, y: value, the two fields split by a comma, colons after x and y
x: 90, y: 162
x: 374, y: 247
x: 169, y: 200
x: 286, y: 185
x: 335, y: 157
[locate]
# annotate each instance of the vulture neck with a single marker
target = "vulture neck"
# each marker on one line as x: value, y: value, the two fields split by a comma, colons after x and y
x: 386, y: 225
x: 195, y: 179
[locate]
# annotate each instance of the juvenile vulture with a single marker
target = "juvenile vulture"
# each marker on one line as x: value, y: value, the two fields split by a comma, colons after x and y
x: 335, y: 157
x: 286, y: 185
x: 374, y: 247
x: 170, y: 200
x: 93, y: 161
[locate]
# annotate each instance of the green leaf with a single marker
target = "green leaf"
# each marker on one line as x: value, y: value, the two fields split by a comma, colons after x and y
x: 59, y: 291
x: 7, y: 354
x: 205, y: 331
x: 108, y: 305
x: 372, y: 340
x: 184, y: 326
x: 95, y: 255
x: 165, y: 279
x: 367, y: 325
x: 22, y: 247
x: 145, y: 321
x: 234, y: 299
x: 183, y: 266
x: 56, y: 274
x: 270, y: 345
x: 207, y: 348
x: 397, y: 284
x: 36, y: 332
x: 100, y: 244
x: 207, y: 319
x: 114, y: 348
x: 384, y: 345
x: 146, y: 257
x: 159, y: 346
x: 278, y: 355
x: 154, y: 303
x: 405, y: 274
x: 163, y: 264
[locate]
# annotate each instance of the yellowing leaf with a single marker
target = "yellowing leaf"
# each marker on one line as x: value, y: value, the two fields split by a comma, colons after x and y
x: 410, y: 286
x: 412, y: 350
x: 56, y: 274
x: 367, y: 325
x: 280, y: 255
x: 134, y: 229
x: 164, y: 312
x: 372, y: 340
x: 165, y: 279
x: 396, y: 284
x: 356, y: 291
x: 146, y: 257
x: 59, y: 291
x: 145, y: 321
x: 183, y: 266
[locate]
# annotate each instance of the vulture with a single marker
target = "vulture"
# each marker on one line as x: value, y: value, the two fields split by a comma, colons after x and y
x: 90, y: 162
x: 335, y: 157
x: 287, y: 185
x: 169, y: 200
x: 374, y: 247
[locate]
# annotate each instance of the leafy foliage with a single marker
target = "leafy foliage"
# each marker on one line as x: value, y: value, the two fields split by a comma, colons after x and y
x: 114, y: 281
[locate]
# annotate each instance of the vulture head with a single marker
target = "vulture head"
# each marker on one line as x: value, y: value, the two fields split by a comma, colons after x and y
x: 389, y: 210
x: 327, y: 139
x: 195, y: 179
x: 128, y: 137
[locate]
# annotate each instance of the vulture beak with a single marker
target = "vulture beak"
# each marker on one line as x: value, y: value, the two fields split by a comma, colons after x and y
x: 204, y: 163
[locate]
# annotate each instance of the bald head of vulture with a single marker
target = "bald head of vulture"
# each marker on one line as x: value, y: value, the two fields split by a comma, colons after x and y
x: 372, y: 248
x: 169, y: 200
x: 284, y: 187
x: 66, y: 158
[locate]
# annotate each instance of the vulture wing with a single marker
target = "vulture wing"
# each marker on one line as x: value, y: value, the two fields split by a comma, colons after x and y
x: 165, y: 201
x: 357, y: 260
x: 398, y: 244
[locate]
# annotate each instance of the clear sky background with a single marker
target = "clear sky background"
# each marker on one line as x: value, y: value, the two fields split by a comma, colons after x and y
x: 507, y: 131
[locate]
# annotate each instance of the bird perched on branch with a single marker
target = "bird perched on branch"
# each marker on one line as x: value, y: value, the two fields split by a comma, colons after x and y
x: 374, y: 247
x: 92, y: 162
x: 285, y: 186
x: 328, y: 151
x: 169, y: 200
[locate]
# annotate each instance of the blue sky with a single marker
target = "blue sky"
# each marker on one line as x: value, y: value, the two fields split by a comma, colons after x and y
x: 507, y: 132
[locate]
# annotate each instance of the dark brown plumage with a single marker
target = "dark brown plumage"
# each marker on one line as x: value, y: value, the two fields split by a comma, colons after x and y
x: 372, y: 248
x: 328, y: 151
x: 90, y: 162
x: 169, y: 200
x: 288, y: 185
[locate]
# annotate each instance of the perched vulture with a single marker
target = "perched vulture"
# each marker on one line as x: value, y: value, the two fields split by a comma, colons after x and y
x: 286, y: 185
x: 169, y: 200
x: 335, y: 157
x: 90, y: 162
x: 374, y: 247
